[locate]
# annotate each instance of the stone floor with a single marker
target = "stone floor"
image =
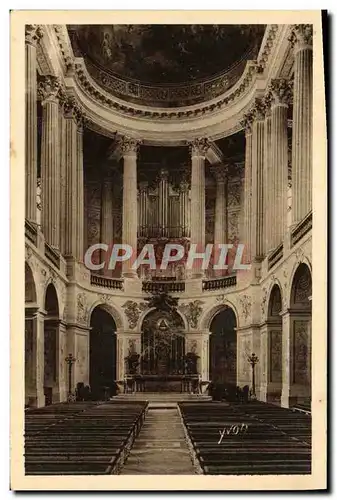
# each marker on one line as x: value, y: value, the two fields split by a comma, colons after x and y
x: 160, y: 447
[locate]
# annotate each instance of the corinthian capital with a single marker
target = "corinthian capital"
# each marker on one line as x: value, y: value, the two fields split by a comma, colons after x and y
x: 33, y: 33
x: 301, y: 36
x: 49, y: 87
x: 128, y: 145
x: 200, y: 146
x: 247, y: 122
x: 259, y: 109
x: 281, y: 91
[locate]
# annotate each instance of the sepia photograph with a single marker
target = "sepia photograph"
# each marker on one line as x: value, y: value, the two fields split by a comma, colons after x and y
x: 168, y: 186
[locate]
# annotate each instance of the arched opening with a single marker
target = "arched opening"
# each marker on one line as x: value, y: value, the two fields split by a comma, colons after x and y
x: 274, y: 349
x: 222, y: 352
x: 51, y: 338
x: 301, y: 291
x: 102, y: 359
x: 162, y: 359
x: 30, y: 338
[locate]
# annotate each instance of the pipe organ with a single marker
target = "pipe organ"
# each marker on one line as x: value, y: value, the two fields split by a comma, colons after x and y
x: 163, y: 216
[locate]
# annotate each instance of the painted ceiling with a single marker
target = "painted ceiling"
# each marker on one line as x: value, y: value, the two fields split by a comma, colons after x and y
x: 166, y: 53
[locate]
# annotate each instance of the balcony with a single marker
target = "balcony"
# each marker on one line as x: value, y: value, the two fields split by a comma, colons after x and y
x: 52, y: 255
x: 301, y: 229
x: 150, y: 232
x: 31, y: 232
x: 163, y: 286
x: 219, y: 283
x: 275, y: 256
x: 103, y: 282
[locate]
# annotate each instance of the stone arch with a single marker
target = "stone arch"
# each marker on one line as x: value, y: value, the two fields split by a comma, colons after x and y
x: 301, y: 287
x: 109, y: 308
x: 102, y: 352
x: 275, y: 301
x: 30, y: 286
x: 51, y: 344
x: 223, y: 346
x: 209, y: 314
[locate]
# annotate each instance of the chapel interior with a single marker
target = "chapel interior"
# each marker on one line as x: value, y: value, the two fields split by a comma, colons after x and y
x: 184, y: 134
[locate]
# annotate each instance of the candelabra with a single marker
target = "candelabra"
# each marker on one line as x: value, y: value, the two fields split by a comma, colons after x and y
x: 253, y: 360
x: 70, y: 360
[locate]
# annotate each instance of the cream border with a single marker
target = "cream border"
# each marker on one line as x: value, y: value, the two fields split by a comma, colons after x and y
x: 319, y: 342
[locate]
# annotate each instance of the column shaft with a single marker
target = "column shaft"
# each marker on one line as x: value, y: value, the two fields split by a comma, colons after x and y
x: 247, y: 209
x: 80, y: 194
x: 50, y: 163
x: 268, y: 198
x: 302, y: 124
x: 71, y: 187
x: 257, y: 181
x: 33, y: 34
x: 129, y: 149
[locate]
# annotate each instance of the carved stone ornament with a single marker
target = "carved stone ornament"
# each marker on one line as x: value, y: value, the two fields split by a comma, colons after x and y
x: 301, y: 36
x: 200, y: 146
x: 246, y: 306
x: 259, y: 109
x: 264, y: 302
x: 81, y: 307
x: 281, y: 91
x: 247, y: 122
x: 192, y: 311
x: 128, y: 145
x: 133, y: 312
x: 48, y: 87
x: 33, y: 34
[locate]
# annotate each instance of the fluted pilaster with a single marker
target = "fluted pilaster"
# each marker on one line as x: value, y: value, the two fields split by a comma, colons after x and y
x: 302, y: 122
x: 33, y: 34
x: 257, y: 180
x: 280, y: 89
x: 199, y: 149
x: 129, y: 150
x: 50, y: 160
x: 220, y: 220
x: 71, y: 178
x: 247, y: 125
x: 80, y: 189
x: 268, y: 192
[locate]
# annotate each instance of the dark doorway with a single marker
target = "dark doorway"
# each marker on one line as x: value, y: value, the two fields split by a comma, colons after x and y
x: 102, y: 354
x: 223, y: 347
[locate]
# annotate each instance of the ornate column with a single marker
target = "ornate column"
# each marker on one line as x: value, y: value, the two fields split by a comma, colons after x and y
x: 302, y: 122
x: 257, y: 180
x: 71, y: 178
x: 199, y: 149
x: 80, y: 188
x: 129, y: 149
x: 50, y: 160
x: 280, y: 89
x: 268, y: 198
x: 247, y: 125
x: 220, y: 222
x: 33, y: 34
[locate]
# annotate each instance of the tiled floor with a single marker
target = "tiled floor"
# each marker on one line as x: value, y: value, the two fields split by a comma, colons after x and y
x: 160, y: 447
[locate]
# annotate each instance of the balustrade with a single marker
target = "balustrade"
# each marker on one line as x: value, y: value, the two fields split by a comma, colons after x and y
x: 301, y: 229
x: 219, y: 283
x: 157, y: 286
x: 101, y: 281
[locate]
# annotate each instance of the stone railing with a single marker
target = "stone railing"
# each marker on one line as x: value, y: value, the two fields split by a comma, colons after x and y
x: 31, y: 232
x: 104, y: 282
x: 52, y: 255
x: 301, y: 229
x: 164, y: 286
x: 219, y: 283
x: 275, y: 256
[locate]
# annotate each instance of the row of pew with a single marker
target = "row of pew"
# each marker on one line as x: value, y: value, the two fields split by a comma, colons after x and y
x: 251, y: 439
x: 81, y: 438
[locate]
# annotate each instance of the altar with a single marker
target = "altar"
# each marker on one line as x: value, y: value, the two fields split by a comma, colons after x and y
x: 190, y: 384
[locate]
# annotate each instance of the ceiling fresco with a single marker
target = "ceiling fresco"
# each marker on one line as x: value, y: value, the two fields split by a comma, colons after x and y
x: 166, y: 54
